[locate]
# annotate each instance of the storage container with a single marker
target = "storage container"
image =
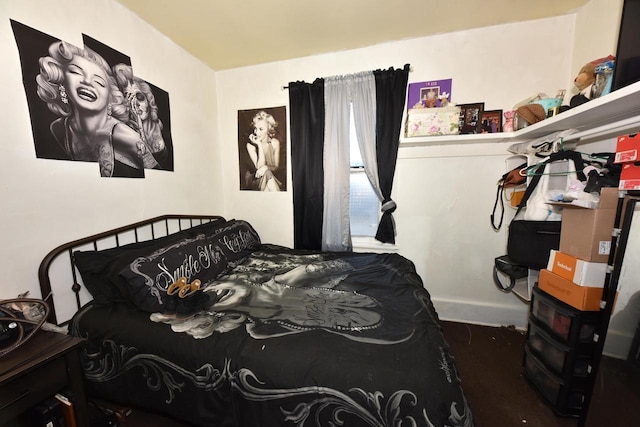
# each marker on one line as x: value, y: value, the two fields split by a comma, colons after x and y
x: 586, y: 233
x: 584, y: 298
x: 627, y: 149
x: 432, y: 121
x: 565, y: 398
x: 564, y: 322
x: 561, y: 359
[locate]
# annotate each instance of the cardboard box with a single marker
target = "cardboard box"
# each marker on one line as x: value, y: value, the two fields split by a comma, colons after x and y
x: 585, y: 298
x: 627, y: 149
x: 433, y: 121
x: 582, y: 273
x: 586, y: 233
x: 630, y: 177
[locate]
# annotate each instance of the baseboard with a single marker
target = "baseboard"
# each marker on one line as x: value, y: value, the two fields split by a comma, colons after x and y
x: 482, y: 314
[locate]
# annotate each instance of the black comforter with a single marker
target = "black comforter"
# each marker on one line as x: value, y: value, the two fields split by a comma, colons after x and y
x: 295, y: 338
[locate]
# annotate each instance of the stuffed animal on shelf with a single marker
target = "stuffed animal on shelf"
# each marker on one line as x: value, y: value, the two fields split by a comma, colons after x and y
x: 431, y: 100
x: 444, y: 99
x: 584, y: 82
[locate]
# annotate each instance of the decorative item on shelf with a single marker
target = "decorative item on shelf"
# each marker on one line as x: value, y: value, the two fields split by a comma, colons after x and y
x: 553, y: 111
x: 557, y: 107
x: 549, y: 104
x: 552, y: 105
x: 586, y: 79
x: 508, y: 121
x: 432, y: 121
x: 604, y: 75
x: 527, y: 115
x: 584, y: 82
x: 470, y: 118
x: 429, y: 94
x: 444, y: 99
x: 492, y: 121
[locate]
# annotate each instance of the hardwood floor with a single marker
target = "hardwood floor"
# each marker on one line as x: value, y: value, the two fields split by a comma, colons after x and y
x: 489, y: 361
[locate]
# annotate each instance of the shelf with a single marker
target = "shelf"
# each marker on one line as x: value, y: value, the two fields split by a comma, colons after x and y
x: 615, y: 113
x: 457, y: 139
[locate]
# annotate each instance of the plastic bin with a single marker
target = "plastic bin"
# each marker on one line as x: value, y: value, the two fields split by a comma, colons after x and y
x: 561, y: 359
x: 564, y: 322
x: 565, y: 398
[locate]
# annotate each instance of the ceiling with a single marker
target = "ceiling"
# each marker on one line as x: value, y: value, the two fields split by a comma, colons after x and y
x: 235, y: 33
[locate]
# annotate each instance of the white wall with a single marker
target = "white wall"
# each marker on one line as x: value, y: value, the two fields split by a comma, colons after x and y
x: 47, y: 202
x: 444, y: 194
x: 596, y: 34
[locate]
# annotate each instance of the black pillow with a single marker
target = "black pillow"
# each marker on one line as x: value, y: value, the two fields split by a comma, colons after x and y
x: 203, y: 257
x: 237, y: 239
x: 100, y: 269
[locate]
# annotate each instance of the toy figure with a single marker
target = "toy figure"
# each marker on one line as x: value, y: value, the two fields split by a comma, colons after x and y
x: 444, y: 99
x: 584, y: 82
x: 508, y: 121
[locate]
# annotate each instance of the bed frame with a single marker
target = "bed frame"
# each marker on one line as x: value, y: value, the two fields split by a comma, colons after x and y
x: 66, y: 275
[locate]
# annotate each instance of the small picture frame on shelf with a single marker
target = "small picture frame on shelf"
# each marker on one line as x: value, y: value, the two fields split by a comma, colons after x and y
x: 492, y: 121
x: 470, y: 120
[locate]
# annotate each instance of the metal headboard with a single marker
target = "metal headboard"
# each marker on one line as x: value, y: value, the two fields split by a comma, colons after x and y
x: 145, y: 230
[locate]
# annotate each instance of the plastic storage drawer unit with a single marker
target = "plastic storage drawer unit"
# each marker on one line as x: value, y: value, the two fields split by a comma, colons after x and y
x: 565, y: 398
x: 568, y: 324
x: 560, y: 358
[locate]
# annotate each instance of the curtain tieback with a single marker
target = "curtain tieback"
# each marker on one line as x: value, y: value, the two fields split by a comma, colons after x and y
x: 388, y: 206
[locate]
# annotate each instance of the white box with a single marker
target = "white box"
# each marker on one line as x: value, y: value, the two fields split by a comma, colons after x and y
x: 580, y: 272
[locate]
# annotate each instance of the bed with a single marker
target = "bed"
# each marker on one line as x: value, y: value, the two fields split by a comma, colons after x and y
x: 285, y: 337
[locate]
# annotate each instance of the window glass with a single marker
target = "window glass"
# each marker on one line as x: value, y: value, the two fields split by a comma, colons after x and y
x: 363, y: 202
x: 363, y: 205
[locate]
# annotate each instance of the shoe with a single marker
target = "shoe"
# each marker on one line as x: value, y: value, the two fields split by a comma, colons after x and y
x: 171, y: 300
x: 188, y: 289
x: 185, y: 299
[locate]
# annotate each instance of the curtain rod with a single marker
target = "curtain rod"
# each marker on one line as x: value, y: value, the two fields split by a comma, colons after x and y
x: 287, y: 87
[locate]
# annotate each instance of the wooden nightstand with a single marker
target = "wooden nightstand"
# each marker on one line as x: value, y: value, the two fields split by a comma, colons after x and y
x: 39, y: 369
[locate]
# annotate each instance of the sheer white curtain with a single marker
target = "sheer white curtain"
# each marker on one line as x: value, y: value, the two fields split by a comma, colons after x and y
x: 341, y: 93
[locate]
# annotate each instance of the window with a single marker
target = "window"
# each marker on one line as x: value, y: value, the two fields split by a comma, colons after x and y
x: 364, y: 206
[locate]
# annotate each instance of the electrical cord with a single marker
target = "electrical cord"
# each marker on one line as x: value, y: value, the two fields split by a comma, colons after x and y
x: 16, y: 321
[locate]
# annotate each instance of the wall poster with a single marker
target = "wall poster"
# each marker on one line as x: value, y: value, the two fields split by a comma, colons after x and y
x: 86, y: 104
x: 262, y: 139
x: 430, y: 94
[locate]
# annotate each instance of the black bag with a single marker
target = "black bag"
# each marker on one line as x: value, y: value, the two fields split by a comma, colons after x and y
x: 513, y: 271
x: 529, y: 242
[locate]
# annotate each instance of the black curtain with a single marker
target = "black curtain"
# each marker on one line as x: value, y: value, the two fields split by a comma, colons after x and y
x: 306, y: 104
x: 391, y: 87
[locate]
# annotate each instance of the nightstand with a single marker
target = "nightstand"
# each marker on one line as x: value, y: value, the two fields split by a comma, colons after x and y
x: 39, y: 369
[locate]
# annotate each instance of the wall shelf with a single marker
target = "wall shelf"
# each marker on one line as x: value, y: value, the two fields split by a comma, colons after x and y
x: 615, y: 113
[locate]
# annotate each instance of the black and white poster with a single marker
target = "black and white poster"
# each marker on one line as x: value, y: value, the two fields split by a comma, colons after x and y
x: 86, y: 104
x: 262, y: 139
